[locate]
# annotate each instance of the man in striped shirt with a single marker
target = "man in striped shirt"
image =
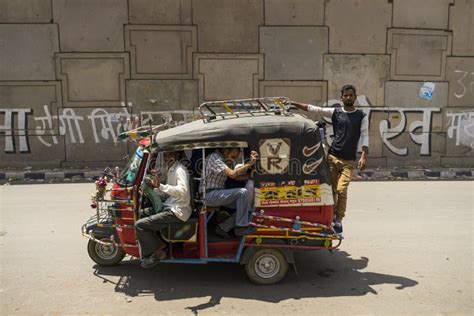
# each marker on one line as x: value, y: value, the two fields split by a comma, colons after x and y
x: 351, y: 130
x: 215, y: 175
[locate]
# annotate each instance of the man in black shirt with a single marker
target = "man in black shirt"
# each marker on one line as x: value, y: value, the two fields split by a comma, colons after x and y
x: 351, y: 128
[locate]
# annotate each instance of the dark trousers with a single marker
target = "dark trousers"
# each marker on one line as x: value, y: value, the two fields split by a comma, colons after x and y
x: 147, y: 227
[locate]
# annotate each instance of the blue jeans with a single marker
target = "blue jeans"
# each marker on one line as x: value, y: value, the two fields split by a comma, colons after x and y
x: 239, y: 198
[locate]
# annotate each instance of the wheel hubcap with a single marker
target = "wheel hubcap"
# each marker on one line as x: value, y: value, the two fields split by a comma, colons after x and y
x: 267, y: 266
x: 105, y: 251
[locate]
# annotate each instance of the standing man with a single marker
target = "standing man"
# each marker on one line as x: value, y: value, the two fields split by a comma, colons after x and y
x: 176, y: 209
x: 350, y: 126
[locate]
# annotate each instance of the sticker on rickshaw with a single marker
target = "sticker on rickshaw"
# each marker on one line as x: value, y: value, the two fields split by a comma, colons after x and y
x: 309, y: 194
x: 275, y: 155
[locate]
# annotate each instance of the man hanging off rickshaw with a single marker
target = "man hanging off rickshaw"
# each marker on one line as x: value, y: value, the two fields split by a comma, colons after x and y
x: 351, y: 128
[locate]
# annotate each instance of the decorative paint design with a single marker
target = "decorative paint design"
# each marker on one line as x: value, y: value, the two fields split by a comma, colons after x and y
x: 275, y: 155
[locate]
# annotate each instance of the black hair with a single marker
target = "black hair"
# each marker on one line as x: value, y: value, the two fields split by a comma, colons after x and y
x: 348, y: 87
x: 179, y: 153
x: 229, y: 148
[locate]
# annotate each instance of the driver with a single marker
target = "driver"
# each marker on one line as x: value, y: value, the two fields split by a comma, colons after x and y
x: 176, y: 209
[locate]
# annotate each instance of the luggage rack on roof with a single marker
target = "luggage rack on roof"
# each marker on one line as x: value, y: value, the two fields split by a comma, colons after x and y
x: 235, y: 108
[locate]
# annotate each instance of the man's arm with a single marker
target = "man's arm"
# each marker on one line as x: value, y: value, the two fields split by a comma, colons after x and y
x: 234, y: 173
x: 326, y: 112
x: 181, y: 187
x: 301, y: 106
x: 363, y: 158
x: 364, y: 141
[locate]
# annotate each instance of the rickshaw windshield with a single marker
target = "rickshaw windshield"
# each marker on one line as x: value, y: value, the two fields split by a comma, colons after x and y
x: 129, y: 174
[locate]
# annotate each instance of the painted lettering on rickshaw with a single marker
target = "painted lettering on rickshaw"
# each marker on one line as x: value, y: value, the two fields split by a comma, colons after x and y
x: 288, y: 193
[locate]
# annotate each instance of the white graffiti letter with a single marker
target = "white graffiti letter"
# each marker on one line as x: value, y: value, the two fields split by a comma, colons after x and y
x: 106, y: 123
x: 390, y: 133
x: 460, y: 129
x: 47, y: 123
x: 460, y: 81
x: 7, y: 128
x: 455, y: 122
x: 72, y: 119
x: 423, y: 138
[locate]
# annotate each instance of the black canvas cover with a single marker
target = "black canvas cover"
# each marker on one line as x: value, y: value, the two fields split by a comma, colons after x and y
x: 289, y: 146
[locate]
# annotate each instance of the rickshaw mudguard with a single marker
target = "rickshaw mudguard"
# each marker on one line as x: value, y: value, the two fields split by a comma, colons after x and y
x: 249, y: 251
x: 102, y: 230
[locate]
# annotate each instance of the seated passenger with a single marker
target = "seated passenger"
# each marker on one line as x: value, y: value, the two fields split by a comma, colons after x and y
x: 243, y: 181
x: 176, y: 209
x: 216, y: 173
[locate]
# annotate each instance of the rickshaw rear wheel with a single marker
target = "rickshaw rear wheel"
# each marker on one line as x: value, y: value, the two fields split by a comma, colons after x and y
x: 266, y: 266
x: 105, y: 255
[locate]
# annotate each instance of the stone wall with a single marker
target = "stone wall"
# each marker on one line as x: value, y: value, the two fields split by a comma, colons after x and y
x: 74, y: 73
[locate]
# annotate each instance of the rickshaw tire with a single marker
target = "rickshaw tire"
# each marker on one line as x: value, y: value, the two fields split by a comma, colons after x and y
x: 266, y: 266
x: 104, y: 260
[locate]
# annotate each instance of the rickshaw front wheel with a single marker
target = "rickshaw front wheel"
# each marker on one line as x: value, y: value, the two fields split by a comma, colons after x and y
x: 266, y: 266
x: 105, y: 255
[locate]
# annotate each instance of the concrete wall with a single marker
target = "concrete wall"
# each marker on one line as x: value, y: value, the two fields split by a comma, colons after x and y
x: 74, y: 73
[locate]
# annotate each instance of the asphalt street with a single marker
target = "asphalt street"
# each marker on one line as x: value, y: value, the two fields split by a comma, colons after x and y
x: 408, y: 250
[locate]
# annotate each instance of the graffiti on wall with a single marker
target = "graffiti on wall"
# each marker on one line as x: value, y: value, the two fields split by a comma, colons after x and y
x: 104, y: 125
x: 461, y: 128
x: 418, y: 130
x: 465, y: 83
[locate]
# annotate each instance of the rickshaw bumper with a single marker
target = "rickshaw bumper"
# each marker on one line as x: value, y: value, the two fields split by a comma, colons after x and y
x: 96, y: 231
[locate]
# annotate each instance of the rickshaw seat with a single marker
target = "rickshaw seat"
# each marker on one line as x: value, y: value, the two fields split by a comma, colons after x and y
x: 182, y: 232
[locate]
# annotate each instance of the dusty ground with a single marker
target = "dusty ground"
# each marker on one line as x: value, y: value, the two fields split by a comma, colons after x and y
x: 408, y: 250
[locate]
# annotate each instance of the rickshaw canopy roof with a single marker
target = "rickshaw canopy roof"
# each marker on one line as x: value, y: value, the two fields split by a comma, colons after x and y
x: 234, y: 131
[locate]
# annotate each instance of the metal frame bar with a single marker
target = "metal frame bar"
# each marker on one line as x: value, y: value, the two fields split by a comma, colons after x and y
x: 243, y: 106
x: 235, y: 259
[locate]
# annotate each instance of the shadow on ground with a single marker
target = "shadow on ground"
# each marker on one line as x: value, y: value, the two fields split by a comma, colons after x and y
x: 320, y: 274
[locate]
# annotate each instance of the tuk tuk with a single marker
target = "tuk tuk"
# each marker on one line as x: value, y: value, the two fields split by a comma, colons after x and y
x: 293, y: 195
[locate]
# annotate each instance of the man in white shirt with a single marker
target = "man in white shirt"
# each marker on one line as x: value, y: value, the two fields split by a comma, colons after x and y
x: 351, y: 129
x: 176, y: 209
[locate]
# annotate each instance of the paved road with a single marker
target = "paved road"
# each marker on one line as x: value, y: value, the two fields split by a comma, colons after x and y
x: 408, y: 250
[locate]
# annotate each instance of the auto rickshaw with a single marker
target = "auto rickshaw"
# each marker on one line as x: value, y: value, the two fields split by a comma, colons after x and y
x: 293, y: 195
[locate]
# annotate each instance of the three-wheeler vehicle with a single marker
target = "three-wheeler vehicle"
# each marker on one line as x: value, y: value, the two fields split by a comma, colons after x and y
x: 293, y: 196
